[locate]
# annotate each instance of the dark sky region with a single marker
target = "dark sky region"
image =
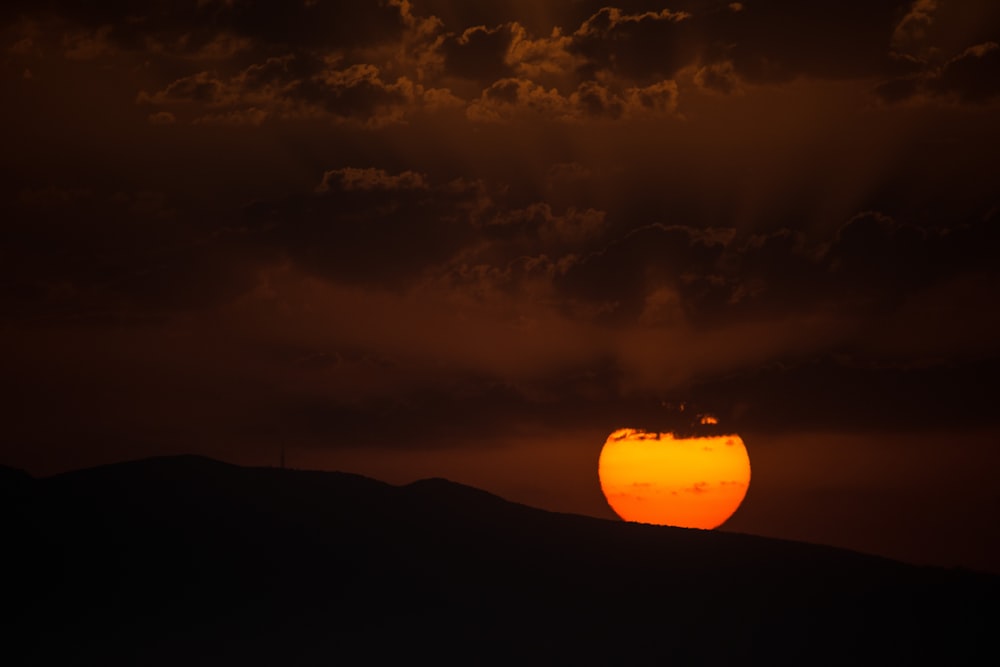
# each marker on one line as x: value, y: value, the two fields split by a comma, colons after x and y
x: 470, y: 239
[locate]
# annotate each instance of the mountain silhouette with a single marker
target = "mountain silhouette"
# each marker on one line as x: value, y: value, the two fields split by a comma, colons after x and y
x: 187, y: 560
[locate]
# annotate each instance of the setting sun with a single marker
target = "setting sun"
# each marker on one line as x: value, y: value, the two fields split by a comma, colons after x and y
x: 693, y: 482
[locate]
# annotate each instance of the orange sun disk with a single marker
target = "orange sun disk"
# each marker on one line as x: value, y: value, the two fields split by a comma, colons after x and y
x: 695, y: 482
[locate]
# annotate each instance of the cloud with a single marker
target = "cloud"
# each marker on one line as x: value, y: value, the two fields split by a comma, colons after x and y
x: 698, y: 488
x: 384, y: 64
x: 368, y: 179
x: 510, y: 98
x: 616, y: 49
x: 88, y: 45
x: 655, y: 100
x: 782, y: 40
x: 969, y: 78
x: 933, y: 32
x: 913, y: 27
x: 479, y: 53
x: 301, y: 87
x: 162, y: 118
x: 655, y: 288
x: 251, y: 116
x: 828, y: 394
x: 973, y: 77
x: 544, y: 58
x: 629, y: 276
x: 541, y: 227
x: 201, y: 87
x: 360, y: 91
x: 719, y: 77
x: 518, y: 99
x: 950, y: 52
x: 638, y: 47
x: 364, y: 225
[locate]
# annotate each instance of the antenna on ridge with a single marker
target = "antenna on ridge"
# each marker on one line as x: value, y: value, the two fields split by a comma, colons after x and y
x: 282, y: 455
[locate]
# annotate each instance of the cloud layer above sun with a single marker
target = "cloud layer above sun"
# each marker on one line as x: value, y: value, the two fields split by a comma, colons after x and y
x: 437, y: 223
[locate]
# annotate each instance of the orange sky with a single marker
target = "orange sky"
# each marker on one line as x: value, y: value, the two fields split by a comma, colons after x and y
x: 472, y: 239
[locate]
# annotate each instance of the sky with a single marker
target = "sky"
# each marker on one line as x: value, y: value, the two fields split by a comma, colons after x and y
x: 415, y: 238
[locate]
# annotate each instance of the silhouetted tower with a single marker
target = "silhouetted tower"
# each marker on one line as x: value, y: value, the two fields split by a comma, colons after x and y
x: 282, y: 455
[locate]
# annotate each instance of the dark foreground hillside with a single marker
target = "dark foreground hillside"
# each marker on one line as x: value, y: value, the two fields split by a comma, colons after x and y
x: 190, y: 561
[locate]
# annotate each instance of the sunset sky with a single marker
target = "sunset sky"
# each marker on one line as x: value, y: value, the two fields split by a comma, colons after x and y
x: 471, y: 239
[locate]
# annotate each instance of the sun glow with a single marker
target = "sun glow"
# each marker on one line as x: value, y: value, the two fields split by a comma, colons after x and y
x: 694, y: 482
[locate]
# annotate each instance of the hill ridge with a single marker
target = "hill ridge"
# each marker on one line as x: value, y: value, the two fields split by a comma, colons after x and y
x: 125, y: 564
x: 188, y: 463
